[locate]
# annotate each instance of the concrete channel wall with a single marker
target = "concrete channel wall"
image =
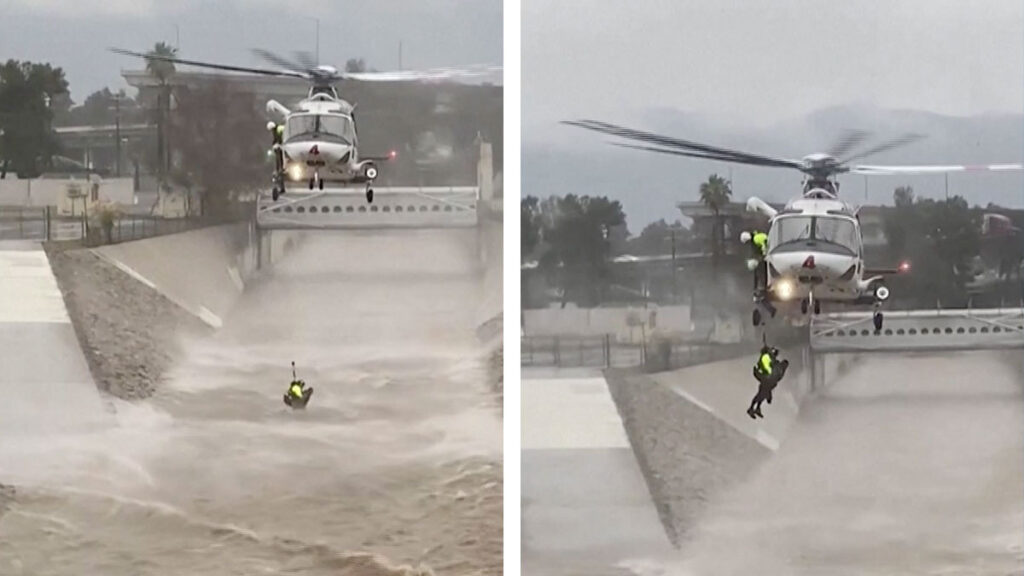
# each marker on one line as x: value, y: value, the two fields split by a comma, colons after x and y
x: 203, y: 271
x: 489, y: 312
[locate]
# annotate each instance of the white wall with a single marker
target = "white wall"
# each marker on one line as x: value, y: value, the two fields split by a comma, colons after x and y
x: 40, y: 192
x: 626, y: 324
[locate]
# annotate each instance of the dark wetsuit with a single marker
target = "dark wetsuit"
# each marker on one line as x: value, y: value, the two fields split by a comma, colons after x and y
x: 768, y: 371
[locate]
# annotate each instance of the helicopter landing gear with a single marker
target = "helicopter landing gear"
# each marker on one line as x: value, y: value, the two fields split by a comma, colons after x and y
x: 312, y: 183
x: 881, y: 295
x: 321, y: 184
x: 369, y: 194
x: 817, y: 307
x: 804, y: 304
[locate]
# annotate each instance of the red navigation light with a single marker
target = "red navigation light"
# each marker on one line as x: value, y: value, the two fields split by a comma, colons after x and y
x: 393, y: 154
x: 904, y: 266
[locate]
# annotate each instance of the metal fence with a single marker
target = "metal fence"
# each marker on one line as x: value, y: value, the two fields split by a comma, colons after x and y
x: 44, y: 224
x: 604, y: 352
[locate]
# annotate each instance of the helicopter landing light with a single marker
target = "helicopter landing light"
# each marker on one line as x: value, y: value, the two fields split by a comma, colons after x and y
x: 784, y: 289
x: 295, y: 171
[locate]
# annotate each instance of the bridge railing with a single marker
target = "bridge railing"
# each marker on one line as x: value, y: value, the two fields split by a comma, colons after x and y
x: 919, y: 330
x: 394, y: 207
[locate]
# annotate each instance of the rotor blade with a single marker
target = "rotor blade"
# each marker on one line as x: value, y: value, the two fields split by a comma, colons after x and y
x: 209, y: 65
x: 899, y: 170
x: 278, y: 60
x: 631, y: 134
x: 846, y: 142
x: 702, y: 155
x: 424, y: 75
x: 305, y: 59
x: 888, y: 145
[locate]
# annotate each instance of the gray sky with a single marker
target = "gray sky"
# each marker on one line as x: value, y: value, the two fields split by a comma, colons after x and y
x: 74, y: 34
x: 755, y: 63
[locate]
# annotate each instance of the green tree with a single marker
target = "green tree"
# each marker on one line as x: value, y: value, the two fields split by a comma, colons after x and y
x: 28, y: 94
x: 529, y: 226
x: 354, y: 65
x: 162, y: 70
x: 657, y: 237
x: 101, y: 108
x: 576, y: 233
x: 227, y: 145
x: 903, y: 196
x: 942, y: 240
x: 716, y: 194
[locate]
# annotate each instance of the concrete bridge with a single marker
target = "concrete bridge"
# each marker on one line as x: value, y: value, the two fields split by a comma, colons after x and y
x: 914, y: 331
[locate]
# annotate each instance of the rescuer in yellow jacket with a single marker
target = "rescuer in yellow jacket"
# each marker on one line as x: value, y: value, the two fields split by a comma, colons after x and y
x: 758, y: 264
x: 768, y: 371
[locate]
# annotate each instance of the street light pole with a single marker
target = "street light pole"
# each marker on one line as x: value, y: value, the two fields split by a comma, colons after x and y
x: 117, y: 131
x: 675, y: 298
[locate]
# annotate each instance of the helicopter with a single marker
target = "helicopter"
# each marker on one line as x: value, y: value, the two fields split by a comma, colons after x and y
x: 318, y: 142
x: 815, y: 247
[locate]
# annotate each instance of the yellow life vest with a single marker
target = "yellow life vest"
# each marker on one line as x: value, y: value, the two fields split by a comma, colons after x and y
x: 296, y: 390
x: 765, y: 364
x: 761, y: 242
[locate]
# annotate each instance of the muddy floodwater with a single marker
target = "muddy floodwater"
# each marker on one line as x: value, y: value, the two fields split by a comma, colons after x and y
x: 396, y: 462
x: 905, y: 465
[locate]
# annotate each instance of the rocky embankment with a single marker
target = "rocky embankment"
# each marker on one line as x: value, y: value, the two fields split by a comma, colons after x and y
x: 686, y: 454
x: 127, y: 355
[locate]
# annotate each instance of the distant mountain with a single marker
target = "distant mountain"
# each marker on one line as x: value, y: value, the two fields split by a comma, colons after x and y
x: 649, y: 185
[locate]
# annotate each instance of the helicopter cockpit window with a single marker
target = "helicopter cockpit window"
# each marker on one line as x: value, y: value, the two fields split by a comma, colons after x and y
x: 790, y: 229
x: 320, y: 126
x: 822, y: 233
x: 839, y: 231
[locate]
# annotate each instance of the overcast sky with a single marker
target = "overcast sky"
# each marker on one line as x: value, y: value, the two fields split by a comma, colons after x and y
x: 74, y: 34
x: 755, y: 63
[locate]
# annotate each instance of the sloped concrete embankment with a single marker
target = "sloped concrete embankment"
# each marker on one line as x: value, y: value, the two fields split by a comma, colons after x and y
x: 691, y: 435
x: 132, y: 303
x: 203, y: 271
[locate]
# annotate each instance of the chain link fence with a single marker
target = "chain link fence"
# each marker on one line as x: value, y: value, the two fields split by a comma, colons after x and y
x: 604, y: 351
x: 45, y: 224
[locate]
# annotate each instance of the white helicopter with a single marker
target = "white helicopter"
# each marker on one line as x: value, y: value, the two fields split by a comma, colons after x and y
x: 815, y: 251
x: 318, y: 142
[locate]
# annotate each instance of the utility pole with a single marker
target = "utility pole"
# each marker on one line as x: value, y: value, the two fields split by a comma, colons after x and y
x: 675, y: 298
x: 399, y: 55
x: 177, y: 37
x: 947, y: 185
x: 317, y: 41
x: 117, y: 129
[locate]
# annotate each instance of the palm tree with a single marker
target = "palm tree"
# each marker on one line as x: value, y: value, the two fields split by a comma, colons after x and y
x: 716, y: 194
x: 162, y: 71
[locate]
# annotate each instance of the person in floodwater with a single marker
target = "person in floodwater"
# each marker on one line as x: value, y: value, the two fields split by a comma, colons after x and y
x: 297, y: 391
x: 768, y: 371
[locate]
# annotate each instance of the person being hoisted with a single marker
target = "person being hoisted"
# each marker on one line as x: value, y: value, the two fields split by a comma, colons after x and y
x: 768, y: 371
